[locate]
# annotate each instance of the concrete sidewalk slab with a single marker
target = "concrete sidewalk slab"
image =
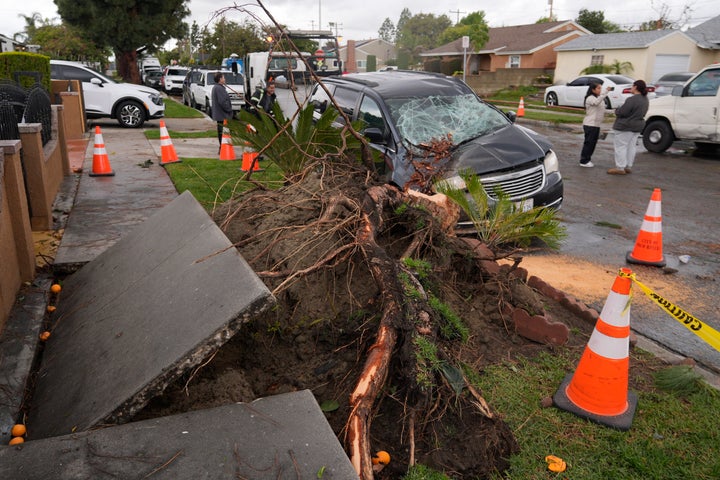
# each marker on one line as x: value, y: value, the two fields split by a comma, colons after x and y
x: 155, y: 304
x: 280, y: 437
x: 106, y: 208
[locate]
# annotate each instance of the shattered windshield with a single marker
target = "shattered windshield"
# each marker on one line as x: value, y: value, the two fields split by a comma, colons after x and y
x: 463, y: 116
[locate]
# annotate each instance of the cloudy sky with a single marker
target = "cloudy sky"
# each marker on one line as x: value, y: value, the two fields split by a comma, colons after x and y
x: 360, y: 20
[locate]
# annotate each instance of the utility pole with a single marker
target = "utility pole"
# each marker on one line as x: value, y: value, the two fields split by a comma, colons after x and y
x: 458, y: 12
x: 319, y: 13
x: 550, y: 2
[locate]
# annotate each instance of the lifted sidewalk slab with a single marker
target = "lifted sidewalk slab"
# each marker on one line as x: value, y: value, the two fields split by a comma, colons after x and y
x: 280, y: 437
x: 146, y: 310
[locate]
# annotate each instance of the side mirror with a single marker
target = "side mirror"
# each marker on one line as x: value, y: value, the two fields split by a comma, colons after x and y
x: 677, y: 90
x: 96, y: 81
x: 512, y: 116
x: 320, y: 106
x: 375, y: 135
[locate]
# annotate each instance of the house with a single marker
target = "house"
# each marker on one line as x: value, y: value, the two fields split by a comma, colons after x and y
x: 355, y: 53
x: 652, y: 53
x: 7, y: 44
x: 519, y: 46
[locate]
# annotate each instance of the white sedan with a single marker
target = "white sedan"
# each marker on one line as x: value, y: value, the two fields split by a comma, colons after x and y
x: 573, y: 93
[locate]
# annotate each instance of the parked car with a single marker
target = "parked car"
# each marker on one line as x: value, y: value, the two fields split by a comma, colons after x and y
x: 665, y: 84
x: 202, y: 84
x: 130, y: 104
x: 192, y: 76
x: 402, y: 110
x: 573, y: 93
x: 689, y: 113
x: 172, y: 79
x: 153, y: 79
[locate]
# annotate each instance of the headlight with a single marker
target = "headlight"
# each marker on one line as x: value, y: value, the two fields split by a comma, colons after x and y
x: 551, y: 162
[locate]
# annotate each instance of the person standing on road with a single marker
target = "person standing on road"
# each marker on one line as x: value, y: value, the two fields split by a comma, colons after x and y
x: 221, y: 104
x: 629, y: 122
x: 594, y: 115
x: 263, y: 99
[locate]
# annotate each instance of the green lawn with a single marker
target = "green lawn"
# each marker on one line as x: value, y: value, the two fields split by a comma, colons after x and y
x: 174, y: 109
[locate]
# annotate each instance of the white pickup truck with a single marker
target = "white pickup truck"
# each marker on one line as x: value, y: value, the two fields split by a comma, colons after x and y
x: 690, y: 113
x: 202, y: 85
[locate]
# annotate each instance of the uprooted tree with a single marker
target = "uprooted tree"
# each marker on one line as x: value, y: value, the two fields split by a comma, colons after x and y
x: 335, y: 218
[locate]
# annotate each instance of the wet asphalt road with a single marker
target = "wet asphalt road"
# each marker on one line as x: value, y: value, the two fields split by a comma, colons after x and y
x: 603, y: 215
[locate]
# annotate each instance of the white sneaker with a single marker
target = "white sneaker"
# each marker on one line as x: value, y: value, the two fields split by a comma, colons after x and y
x: 587, y: 165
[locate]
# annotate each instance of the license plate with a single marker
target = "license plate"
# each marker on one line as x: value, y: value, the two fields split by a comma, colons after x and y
x: 524, y: 205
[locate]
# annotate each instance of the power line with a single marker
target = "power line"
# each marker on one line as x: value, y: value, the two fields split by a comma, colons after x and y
x: 458, y: 12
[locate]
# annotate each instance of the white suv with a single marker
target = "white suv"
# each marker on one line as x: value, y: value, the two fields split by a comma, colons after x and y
x: 690, y: 113
x: 172, y: 79
x: 130, y: 104
x: 202, y: 84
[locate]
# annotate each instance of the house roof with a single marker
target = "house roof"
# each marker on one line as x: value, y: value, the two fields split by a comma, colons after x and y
x: 707, y: 34
x: 359, y: 44
x: 607, y: 41
x: 515, y: 39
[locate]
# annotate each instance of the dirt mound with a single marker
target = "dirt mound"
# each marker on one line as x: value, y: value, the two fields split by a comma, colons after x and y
x: 310, y: 243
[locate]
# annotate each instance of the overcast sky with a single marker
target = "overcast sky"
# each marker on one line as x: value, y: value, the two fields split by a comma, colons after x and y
x: 359, y: 20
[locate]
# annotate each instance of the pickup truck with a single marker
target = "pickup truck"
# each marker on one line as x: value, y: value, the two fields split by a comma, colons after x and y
x: 690, y: 113
x: 201, y: 90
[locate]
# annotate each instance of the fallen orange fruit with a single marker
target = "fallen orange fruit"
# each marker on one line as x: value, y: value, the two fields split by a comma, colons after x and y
x: 44, y: 335
x: 55, y: 288
x: 18, y: 430
x: 381, y: 457
x: 51, y: 308
x: 16, y: 441
x: 555, y: 464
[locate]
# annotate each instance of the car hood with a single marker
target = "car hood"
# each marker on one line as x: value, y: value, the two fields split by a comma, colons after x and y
x: 501, y: 150
x: 131, y: 87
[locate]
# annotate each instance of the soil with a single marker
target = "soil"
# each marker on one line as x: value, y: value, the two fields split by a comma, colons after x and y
x: 302, y: 240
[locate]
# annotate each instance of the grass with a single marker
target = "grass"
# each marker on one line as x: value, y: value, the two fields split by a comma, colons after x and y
x: 672, y: 436
x: 155, y: 134
x: 213, y: 182
x: 175, y: 109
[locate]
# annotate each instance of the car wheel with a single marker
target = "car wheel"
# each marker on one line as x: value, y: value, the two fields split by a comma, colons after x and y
x: 608, y: 103
x: 193, y: 103
x: 551, y: 100
x: 658, y: 136
x: 130, y: 114
x: 207, y: 106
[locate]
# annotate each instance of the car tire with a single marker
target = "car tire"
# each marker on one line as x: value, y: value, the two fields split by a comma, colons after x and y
x: 551, y: 100
x: 608, y: 103
x: 193, y: 103
x: 658, y: 136
x: 207, y: 106
x: 130, y: 114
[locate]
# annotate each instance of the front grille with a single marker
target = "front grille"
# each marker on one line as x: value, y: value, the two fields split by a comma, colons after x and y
x: 517, y: 184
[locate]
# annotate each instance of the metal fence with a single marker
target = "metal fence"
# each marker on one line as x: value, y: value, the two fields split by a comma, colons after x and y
x: 20, y: 105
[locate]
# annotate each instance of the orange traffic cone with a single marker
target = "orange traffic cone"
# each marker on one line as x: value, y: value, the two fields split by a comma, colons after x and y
x: 521, y: 108
x: 598, y: 391
x: 167, y: 150
x: 227, y: 152
x: 101, y: 162
x: 648, y: 246
x: 250, y: 161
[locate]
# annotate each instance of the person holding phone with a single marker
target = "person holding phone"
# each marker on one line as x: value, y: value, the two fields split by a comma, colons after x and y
x: 594, y: 115
x: 629, y: 122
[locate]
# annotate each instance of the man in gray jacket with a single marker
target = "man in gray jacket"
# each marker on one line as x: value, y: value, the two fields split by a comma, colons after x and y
x: 221, y: 105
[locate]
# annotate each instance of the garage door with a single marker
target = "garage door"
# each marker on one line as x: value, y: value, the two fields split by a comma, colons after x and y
x: 670, y: 63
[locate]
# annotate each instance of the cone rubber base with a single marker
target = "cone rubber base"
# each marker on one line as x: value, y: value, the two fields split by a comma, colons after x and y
x: 163, y: 163
x: 630, y: 259
x: 620, y: 422
x: 107, y: 174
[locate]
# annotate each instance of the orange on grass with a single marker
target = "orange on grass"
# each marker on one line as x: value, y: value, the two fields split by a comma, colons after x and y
x: 55, y: 288
x: 16, y: 441
x: 381, y: 457
x: 18, y: 430
x: 44, y: 335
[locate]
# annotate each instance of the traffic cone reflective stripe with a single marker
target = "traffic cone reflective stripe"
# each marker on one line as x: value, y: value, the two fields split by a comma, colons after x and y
x: 167, y: 150
x: 521, y: 108
x: 648, y: 246
x: 101, y: 162
x: 598, y: 390
x: 227, y: 152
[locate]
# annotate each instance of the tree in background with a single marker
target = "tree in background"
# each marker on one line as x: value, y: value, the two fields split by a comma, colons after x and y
x: 473, y: 26
x: 421, y: 32
x: 405, y: 15
x: 552, y: 18
x: 60, y: 41
x: 595, y: 21
x: 663, y: 21
x: 126, y: 26
x: 229, y: 37
x: 387, y: 30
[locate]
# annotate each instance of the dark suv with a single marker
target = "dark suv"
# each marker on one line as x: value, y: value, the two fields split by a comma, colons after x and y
x: 402, y: 110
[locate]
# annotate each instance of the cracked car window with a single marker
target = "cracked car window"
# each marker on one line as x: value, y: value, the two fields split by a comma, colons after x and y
x: 465, y: 117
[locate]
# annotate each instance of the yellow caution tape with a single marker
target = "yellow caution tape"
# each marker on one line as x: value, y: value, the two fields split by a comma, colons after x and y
x: 702, y: 330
